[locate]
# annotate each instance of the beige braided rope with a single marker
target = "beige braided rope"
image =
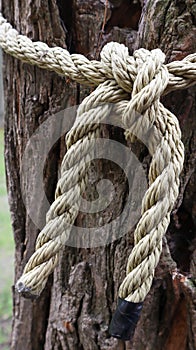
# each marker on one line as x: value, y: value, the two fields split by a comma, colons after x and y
x: 117, y: 75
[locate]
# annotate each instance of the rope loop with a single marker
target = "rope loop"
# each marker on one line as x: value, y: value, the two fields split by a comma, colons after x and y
x: 134, y: 86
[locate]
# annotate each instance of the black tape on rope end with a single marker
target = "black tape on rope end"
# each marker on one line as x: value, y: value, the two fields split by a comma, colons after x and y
x: 125, y: 319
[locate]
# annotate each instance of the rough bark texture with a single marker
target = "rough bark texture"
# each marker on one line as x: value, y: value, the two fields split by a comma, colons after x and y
x: 75, y: 309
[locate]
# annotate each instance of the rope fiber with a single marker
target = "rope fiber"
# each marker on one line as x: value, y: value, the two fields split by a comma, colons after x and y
x: 132, y: 84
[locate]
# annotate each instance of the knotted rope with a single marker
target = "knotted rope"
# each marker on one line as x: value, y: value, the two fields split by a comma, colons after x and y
x: 134, y: 84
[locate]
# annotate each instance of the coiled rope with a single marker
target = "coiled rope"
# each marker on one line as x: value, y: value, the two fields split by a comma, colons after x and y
x: 133, y: 84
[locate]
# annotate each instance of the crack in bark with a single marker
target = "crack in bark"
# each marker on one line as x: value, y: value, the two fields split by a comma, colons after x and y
x: 66, y: 16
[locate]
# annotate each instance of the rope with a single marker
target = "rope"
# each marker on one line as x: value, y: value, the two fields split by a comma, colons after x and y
x: 132, y: 84
x: 92, y: 73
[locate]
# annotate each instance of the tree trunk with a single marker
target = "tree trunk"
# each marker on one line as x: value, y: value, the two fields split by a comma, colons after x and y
x: 1, y: 93
x: 76, y: 307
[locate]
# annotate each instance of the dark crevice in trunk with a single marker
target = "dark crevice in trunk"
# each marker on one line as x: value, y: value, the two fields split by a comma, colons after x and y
x: 66, y: 16
x: 51, y: 168
x: 181, y: 237
x: 126, y: 15
x: 181, y: 6
x: 78, y: 94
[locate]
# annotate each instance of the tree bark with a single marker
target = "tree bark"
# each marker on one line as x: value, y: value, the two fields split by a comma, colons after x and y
x: 76, y: 307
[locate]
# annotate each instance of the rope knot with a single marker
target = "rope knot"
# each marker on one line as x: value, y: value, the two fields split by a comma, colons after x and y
x: 134, y: 73
x: 142, y: 75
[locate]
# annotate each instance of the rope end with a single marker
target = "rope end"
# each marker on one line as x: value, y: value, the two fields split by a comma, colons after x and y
x: 125, y: 319
x: 25, y: 291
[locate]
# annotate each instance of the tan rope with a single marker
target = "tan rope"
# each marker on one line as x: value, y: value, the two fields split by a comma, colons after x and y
x: 92, y: 73
x: 133, y: 84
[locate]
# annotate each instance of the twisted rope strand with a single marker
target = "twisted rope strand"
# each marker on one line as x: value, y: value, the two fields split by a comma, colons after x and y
x: 163, y: 174
x: 135, y: 85
x: 65, y: 208
x: 156, y: 208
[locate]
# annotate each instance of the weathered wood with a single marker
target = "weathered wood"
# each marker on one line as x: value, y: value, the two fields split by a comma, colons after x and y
x: 76, y: 307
